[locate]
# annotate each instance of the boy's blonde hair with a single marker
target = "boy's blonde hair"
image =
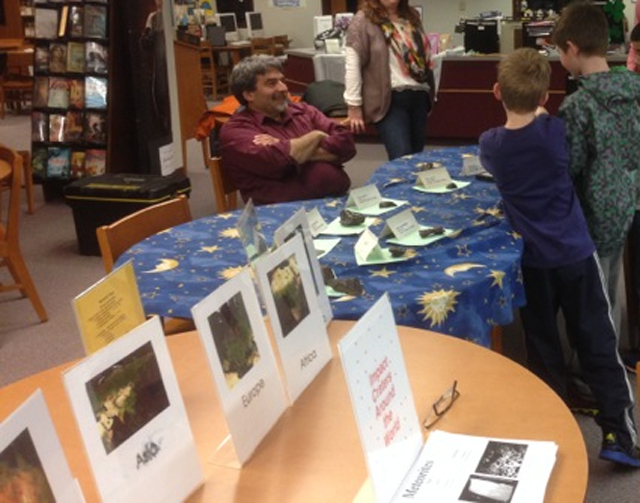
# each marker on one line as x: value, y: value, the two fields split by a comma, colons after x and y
x: 524, y: 77
x: 586, y: 26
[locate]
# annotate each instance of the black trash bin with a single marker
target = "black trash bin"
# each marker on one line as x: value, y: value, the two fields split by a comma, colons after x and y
x: 103, y: 199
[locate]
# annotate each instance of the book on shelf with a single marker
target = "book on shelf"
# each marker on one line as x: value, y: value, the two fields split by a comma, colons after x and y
x: 39, y: 157
x: 76, y: 21
x: 57, y: 57
x: 74, y: 128
x: 75, y: 57
x: 46, y: 21
x: 95, y: 162
x: 76, y: 93
x: 95, y: 92
x: 57, y: 126
x: 64, y: 18
x: 40, y: 92
x: 95, y: 128
x: 39, y: 126
x: 59, y: 162
x: 58, y: 92
x: 41, y: 59
x: 97, y: 56
x: 77, y: 163
x: 95, y: 21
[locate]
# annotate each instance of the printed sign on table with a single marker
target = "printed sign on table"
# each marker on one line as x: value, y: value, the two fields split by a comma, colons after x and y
x: 32, y: 462
x: 242, y: 362
x: 298, y: 224
x: 368, y: 201
x: 250, y: 232
x: 109, y: 309
x: 368, y: 251
x: 378, y: 384
x: 287, y: 289
x: 132, y: 420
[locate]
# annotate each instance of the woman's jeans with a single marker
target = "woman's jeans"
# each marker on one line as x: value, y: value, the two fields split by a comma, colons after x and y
x: 404, y: 129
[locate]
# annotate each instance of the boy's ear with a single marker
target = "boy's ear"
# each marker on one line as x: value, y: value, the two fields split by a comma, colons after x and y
x: 496, y: 91
x: 543, y: 101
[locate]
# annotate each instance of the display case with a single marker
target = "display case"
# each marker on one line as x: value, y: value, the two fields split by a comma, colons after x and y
x: 71, y: 92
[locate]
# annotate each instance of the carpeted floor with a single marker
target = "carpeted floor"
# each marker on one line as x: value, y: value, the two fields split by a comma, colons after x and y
x: 49, y: 245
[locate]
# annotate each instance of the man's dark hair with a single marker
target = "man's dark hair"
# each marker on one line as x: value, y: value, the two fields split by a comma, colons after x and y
x: 245, y: 74
x: 586, y: 26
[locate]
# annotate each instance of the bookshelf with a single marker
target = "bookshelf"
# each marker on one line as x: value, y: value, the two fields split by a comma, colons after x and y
x: 70, y: 115
x: 27, y: 16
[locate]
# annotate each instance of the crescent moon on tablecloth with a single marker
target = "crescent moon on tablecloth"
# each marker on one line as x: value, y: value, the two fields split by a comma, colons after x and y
x: 166, y: 264
x: 465, y: 266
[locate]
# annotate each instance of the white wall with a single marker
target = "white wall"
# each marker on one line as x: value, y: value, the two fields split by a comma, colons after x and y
x: 440, y: 16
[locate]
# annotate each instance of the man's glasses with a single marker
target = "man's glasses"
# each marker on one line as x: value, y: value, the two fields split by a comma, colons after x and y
x: 442, y: 405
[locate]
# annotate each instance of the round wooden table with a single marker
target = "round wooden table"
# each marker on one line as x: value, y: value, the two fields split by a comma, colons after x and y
x: 313, y: 454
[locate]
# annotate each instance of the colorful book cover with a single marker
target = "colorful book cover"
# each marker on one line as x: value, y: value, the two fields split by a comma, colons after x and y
x: 58, y: 93
x: 59, y: 162
x: 77, y: 163
x: 95, y: 162
x: 95, y: 128
x: 76, y: 93
x: 95, y: 21
x: 57, y: 124
x: 41, y: 59
x: 76, y: 21
x: 64, y: 20
x: 39, y: 158
x: 96, y: 57
x: 40, y: 92
x: 75, y: 57
x: 39, y: 126
x: 95, y: 92
x: 46, y: 23
x: 73, y: 130
x: 57, y: 58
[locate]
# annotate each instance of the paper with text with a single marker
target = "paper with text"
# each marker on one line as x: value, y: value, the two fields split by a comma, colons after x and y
x: 287, y: 289
x: 32, y: 462
x: 378, y: 384
x: 242, y: 362
x: 130, y: 413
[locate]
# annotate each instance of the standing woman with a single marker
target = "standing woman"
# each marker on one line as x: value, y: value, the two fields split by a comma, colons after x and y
x: 389, y: 80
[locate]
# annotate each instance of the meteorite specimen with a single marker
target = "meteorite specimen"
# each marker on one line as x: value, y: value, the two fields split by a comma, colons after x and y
x: 349, y: 218
x: 433, y: 231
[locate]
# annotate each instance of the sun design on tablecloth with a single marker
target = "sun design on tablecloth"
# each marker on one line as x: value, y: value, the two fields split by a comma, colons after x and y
x: 230, y: 272
x: 210, y: 249
x: 437, y: 305
x: 497, y: 276
x: 231, y: 232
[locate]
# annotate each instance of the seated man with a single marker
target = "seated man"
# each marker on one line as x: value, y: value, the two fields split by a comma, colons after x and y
x: 275, y: 150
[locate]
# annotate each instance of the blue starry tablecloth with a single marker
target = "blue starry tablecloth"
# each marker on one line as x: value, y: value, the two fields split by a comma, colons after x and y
x: 462, y: 285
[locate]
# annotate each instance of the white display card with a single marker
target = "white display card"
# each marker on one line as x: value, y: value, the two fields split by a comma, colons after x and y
x: 367, y: 247
x: 298, y: 224
x: 316, y: 222
x: 250, y: 232
x: 378, y: 384
x: 32, y: 459
x: 286, y: 283
x: 132, y: 420
x: 364, y: 197
x: 471, y: 165
x: 432, y: 178
x: 401, y: 225
x: 241, y: 360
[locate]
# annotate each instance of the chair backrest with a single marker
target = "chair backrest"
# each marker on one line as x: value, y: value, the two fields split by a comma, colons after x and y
x: 116, y: 238
x: 11, y: 167
x: 224, y: 190
x: 263, y: 45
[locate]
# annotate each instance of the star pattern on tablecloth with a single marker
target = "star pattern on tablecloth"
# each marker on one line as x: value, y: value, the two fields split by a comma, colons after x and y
x: 210, y: 249
x: 382, y: 273
x: 497, y: 276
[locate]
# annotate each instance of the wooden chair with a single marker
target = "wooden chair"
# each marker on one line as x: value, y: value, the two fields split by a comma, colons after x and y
x: 16, y: 89
x: 263, y: 45
x: 224, y: 190
x: 215, y: 78
x: 116, y: 238
x: 282, y: 43
x: 10, y: 253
